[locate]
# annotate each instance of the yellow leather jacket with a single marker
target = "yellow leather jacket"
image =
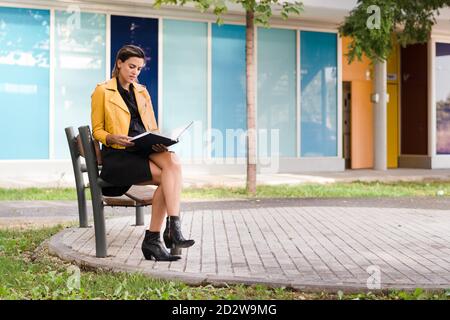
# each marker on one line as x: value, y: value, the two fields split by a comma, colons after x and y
x: 110, y: 115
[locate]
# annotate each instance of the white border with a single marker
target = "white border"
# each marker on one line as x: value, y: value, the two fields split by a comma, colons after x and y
x: 144, y: 8
x: 209, y: 92
x: 255, y: 84
x: 160, y: 73
x: 298, y: 121
x: 108, y: 47
x: 339, y: 134
x: 186, y: 13
x: 399, y: 102
x: 438, y: 160
x: 440, y: 38
x: 431, y: 98
x: 51, y: 111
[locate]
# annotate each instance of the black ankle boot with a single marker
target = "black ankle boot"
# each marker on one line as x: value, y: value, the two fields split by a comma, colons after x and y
x: 153, y: 247
x: 172, y: 235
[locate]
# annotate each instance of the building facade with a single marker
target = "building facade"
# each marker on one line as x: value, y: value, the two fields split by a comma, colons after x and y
x: 313, y: 110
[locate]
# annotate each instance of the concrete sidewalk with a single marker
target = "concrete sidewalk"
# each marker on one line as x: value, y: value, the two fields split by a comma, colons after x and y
x: 309, y: 244
x: 192, y: 179
x: 318, y: 246
x: 321, y: 177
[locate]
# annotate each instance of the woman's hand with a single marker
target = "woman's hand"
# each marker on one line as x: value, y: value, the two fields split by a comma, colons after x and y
x: 159, y: 148
x: 119, y: 139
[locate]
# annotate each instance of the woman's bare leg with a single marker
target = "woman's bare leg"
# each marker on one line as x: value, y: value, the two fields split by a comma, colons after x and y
x: 158, y: 210
x: 171, y: 180
x: 171, y: 185
x: 152, y: 247
x: 158, y: 203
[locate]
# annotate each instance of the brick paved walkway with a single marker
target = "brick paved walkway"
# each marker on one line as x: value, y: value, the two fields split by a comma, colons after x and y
x: 312, y: 248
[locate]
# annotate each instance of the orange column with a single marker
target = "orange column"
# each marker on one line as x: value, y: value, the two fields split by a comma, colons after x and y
x: 362, y: 125
x: 359, y: 74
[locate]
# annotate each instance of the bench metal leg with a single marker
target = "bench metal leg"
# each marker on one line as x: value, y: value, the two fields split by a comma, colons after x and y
x: 82, y: 212
x: 99, y: 226
x: 175, y: 251
x: 139, y: 216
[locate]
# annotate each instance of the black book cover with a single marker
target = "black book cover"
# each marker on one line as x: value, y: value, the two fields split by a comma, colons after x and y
x: 148, y: 139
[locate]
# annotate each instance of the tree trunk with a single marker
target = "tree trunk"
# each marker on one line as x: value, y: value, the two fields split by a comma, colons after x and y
x: 251, y: 132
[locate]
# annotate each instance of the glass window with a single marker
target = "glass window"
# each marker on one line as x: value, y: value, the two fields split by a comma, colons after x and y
x: 277, y: 85
x: 80, y: 59
x: 229, y: 115
x: 185, y: 66
x: 24, y: 83
x: 142, y: 32
x: 318, y: 60
x: 442, y: 98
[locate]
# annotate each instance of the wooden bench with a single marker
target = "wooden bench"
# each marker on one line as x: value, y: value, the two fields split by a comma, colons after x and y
x: 137, y: 196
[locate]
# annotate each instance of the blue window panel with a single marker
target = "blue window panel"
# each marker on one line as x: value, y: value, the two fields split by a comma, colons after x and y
x: 229, y: 115
x: 442, y: 74
x: 24, y: 83
x: 80, y: 63
x: 142, y: 32
x: 318, y: 59
x: 277, y: 83
x: 185, y: 66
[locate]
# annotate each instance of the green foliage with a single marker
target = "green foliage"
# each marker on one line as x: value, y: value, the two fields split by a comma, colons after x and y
x: 15, y: 243
x: 419, y: 294
x: 409, y: 22
x: 263, y: 9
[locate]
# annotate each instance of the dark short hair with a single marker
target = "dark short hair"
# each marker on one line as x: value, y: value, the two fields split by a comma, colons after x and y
x: 126, y: 52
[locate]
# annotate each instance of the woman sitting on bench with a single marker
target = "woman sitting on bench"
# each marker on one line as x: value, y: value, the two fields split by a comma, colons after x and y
x: 121, y: 109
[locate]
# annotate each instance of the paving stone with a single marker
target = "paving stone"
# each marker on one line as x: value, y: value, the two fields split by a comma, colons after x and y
x: 316, y: 247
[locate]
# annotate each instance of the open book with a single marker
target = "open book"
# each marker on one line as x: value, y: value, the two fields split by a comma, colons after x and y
x: 147, y: 139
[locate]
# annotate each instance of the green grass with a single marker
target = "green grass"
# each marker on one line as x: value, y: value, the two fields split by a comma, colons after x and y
x: 39, y: 194
x: 335, y: 190
x: 29, y: 276
x: 29, y: 272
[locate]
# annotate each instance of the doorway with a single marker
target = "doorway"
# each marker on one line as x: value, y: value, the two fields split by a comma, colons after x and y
x: 392, y: 126
x: 414, y: 97
x: 346, y: 125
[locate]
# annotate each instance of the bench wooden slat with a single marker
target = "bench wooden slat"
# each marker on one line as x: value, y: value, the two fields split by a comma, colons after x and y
x: 136, y: 196
x: 141, y: 194
x: 122, y: 201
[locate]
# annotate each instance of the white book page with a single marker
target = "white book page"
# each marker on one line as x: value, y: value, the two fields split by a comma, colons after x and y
x: 144, y: 134
x: 177, y: 132
x: 173, y: 134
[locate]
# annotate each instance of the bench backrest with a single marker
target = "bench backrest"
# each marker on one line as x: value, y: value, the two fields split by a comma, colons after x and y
x: 92, y: 157
x: 75, y: 154
x: 78, y: 169
x: 98, y: 154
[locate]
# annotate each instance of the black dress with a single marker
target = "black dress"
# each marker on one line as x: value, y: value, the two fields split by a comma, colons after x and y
x: 125, y: 167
